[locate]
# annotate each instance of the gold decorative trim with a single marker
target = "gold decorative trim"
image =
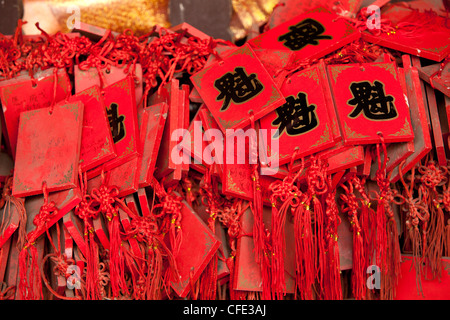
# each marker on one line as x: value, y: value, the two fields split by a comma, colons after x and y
x: 352, y: 134
x: 336, y: 70
x: 404, y: 131
x: 325, y: 137
x: 232, y: 185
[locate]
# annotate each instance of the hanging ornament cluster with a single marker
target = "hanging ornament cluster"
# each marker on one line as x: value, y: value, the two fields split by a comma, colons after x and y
x: 309, y: 162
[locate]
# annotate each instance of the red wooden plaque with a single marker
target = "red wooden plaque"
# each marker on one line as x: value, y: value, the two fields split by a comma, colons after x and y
x: 184, y: 110
x: 190, y: 31
x: 236, y: 180
x: 364, y: 169
x: 57, y: 282
x: 332, y: 115
x: 346, y: 159
x: 418, y: 109
x: 75, y: 227
x: 431, y: 289
x: 126, y: 224
x: 48, y: 149
x: 397, y: 152
x: 431, y: 43
x: 224, y: 250
x: 93, y: 32
x: 369, y: 99
x: 19, y: 94
x: 440, y: 81
x: 132, y: 204
x: 247, y: 270
x: 436, y: 126
x: 293, y: 8
x: 6, y: 166
x: 194, y: 96
x: 311, y: 35
x: 65, y: 201
x: 345, y: 243
x: 12, y: 266
x: 125, y: 177
x: 122, y: 115
x: 101, y: 231
x: 10, y: 225
x: 237, y: 86
x: 208, y: 123
x: 222, y: 51
x: 197, y: 248
x: 170, y: 95
x: 143, y: 202
x: 302, y: 122
x: 275, y: 61
x: 4, y: 253
x: 153, y: 120
x: 85, y: 79
x: 196, y: 130
x: 97, y: 145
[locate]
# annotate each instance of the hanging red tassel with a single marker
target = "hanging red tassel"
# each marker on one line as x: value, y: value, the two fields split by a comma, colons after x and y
x: 61, y: 269
x: 92, y: 278
x: 446, y: 204
x: 358, y: 258
x: 105, y: 199
x: 304, y: 244
x: 230, y: 216
x: 208, y: 280
x: 154, y: 273
x: 317, y: 187
x: 85, y: 211
x: 367, y: 220
x: 5, y: 202
x: 30, y: 285
x: 145, y: 229
x: 432, y: 177
x: 286, y: 193
x: 388, y: 255
x: 332, y: 277
x: 416, y: 213
x: 116, y: 261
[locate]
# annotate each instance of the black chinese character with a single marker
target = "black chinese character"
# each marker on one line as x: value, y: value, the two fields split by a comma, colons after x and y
x: 372, y: 101
x: 116, y: 123
x: 295, y: 116
x: 238, y: 87
x: 303, y: 33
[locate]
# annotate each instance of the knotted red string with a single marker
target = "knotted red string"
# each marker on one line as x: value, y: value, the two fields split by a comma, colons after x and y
x: 290, y: 197
x: 104, y: 198
x: 30, y: 286
x: 7, y: 293
x: 388, y: 254
x: 351, y: 207
x: 332, y: 280
x: 432, y: 177
x: 19, y: 203
x: 208, y: 280
x: 417, y: 213
x: 61, y: 265
x: 85, y: 211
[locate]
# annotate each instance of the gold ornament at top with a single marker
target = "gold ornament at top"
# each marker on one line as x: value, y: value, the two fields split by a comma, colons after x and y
x: 252, y: 12
x: 117, y: 15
